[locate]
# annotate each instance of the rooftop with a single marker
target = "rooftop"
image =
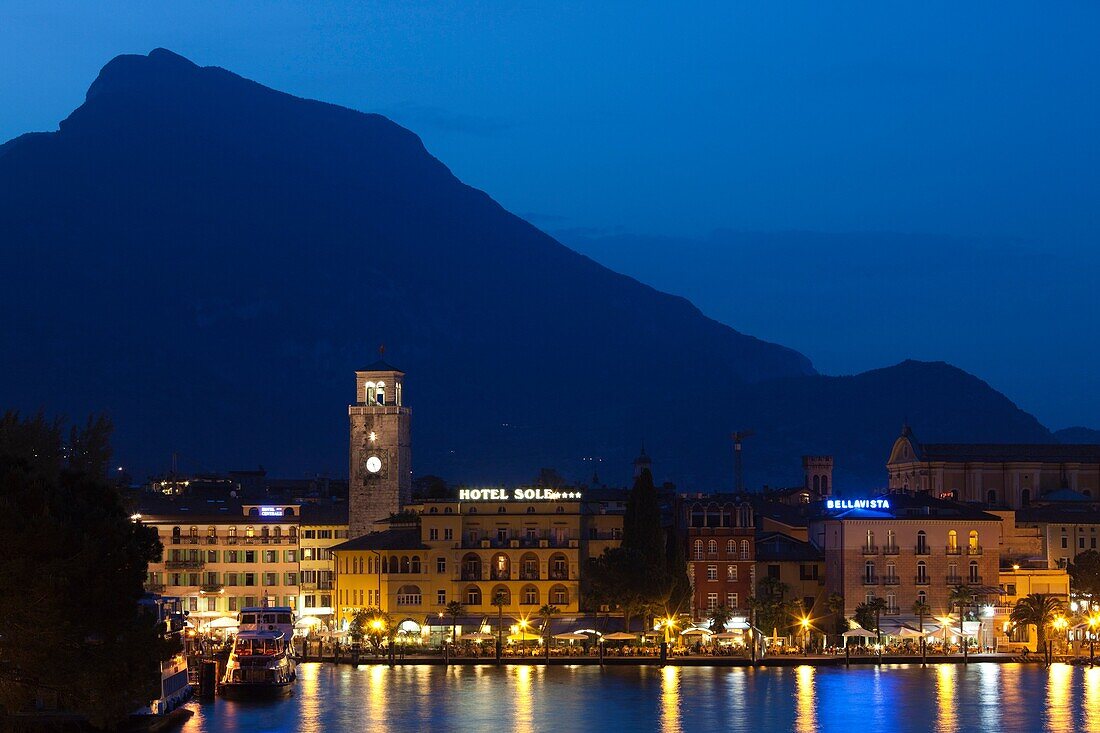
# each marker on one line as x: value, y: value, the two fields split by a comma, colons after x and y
x: 405, y: 538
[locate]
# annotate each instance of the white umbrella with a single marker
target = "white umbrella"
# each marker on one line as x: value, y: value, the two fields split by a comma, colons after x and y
x: 476, y: 636
x: 907, y: 633
x: 727, y: 635
x: 222, y: 622
x: 571, y: 636
x: 859, y: 632
x: 695, y: 631
x: 620, y: 636
x: 307, y: 621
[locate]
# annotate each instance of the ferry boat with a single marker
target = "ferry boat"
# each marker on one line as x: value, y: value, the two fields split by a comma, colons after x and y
x: 260, y: 664
x: 174, y: 686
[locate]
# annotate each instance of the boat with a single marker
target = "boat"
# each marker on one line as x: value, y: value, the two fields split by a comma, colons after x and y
x: 174, y: 686
x: 261, y: 664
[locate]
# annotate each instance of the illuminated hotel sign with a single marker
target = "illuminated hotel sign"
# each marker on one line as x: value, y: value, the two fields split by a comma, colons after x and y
x: 857, y: 504
x: 271, y: 511
x: 516, y: 495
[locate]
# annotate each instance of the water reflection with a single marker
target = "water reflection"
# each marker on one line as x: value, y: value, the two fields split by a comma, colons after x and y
x: 946, y: 688
x: 523, y: 720
x: 805, y: 700
x: 1058, y: 711
x: 989, y: 696
x: 670, y: 700
x: 1092, y: 698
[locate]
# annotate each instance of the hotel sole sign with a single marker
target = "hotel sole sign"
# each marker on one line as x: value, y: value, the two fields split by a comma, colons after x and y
x: 516, y: 495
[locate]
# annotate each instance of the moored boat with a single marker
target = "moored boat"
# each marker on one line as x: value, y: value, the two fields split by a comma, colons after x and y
x: 260, y: 664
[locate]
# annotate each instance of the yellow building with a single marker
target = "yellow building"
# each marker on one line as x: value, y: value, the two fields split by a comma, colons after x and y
x: 525, y: 545
x: 1017, y: 582
x: 322, y: 528
x: 220, y: 557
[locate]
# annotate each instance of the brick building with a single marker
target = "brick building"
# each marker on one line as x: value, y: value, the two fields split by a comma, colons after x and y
x: 719, y: 530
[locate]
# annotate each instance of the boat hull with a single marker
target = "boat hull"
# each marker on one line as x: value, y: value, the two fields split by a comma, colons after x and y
x: 255, y: 690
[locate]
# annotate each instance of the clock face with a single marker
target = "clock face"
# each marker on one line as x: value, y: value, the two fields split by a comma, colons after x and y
x: 374, y: 464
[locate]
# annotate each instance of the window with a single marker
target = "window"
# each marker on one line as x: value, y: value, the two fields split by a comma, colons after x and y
x: 1065, y: 542
x: 441, y: 597
x: 1081, y: 543
x: 408, y: 595
x: 559, y: 596
x: 698, y: 549
x: 232, y: 603
x: 415, y: 565
x: 891, y: 539
x: 448, y: 534
x: 744, y: 549
x: 712, y: 602
x: 441, y: 565
x: 271, y: 556
x: 310, y: 602
x: 731, y: 547
x: 869, y: 571
x: 731, y: 600
x: 870, y: 539
x: 922, y: 543
x: 473, y: 596
x: 530, y: 595
x: 891, y: 603
x: 991, y: 496
x: 731, y: 573
x: 891, y: 571
x: 974, y: 578
x: 712, y: 572
x: 922, y: 597
x: 952, y: 540
x: 712, y: 547
x: 773, y: 571
x: 433, y: 534
x: 502, y: 534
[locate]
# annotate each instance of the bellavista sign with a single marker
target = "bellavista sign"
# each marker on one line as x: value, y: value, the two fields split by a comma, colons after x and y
x: 516, y: 495
x: 835, y: 504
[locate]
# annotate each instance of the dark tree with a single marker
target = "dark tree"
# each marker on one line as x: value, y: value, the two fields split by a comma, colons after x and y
x: 1084, y: 573
x: 642, y: 523
x: 70, y: 624
x: 430, y: 487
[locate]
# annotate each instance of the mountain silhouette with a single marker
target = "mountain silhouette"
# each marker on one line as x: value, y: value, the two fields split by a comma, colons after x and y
x: 208, y: 260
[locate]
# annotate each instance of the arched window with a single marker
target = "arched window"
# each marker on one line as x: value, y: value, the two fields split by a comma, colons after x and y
x: 698, y: 516
x: 397, y: 392
x: 530, y: 510
x: 922, y: 543
x: 381, y: 392
x: 501, y: 510
x: 952, y: 540
x: 530, y: 595
x: 529, y: 567
x: 408, y: 595
x: 714, y: 515
x: 922, y: 597
x: 891, y: 539
x: 394, y: 566
x: 473, y: 510
x: 370, y: 395
x: 922, y: 572
x: 265, y: 532
x: 193, y: 532
x: 824, y: 485
x: 698, y: 550
x: 501, y: 596
x: 991, y: 496
x: 559, y: 596
x: 249, y: 532
x: 869, y: 571
x: 406, y: 566
x: 446, y: 510
x: 974, y: 577
x: 712, y: 547
x: 731, y: 547
x: 561, y: 510
x: 559, y: 567
x: 744, y: 549
x: 870, y: 539
x: 471, y: 567
x: 953, y: 573
x: 433, y: 510
x: 473, y: 595
x: 817, y: 484
x: 500, y: 568
x: 891, y: 571
x: 745, y: 519
x: 972, y: 541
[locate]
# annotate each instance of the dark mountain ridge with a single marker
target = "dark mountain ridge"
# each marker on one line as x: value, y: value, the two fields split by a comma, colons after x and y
x: 208, y: 260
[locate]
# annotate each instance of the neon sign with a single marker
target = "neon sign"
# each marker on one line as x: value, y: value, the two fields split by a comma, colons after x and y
x: 271, y: 511
x: 857, y: 504
x: 516, y: 495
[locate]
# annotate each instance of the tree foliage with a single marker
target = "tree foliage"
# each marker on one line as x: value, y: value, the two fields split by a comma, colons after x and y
x: 372, y: 624
x: 1084, y: 574
x: 1038, y: 610
x: 75, y: 565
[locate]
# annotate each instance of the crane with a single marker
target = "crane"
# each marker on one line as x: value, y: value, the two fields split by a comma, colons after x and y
x: 738, y: 473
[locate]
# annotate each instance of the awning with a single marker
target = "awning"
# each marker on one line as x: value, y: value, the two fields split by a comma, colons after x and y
x: 696, y: 631
x: 223, y: 622
x: 463, y: 622
x: 477, y: 636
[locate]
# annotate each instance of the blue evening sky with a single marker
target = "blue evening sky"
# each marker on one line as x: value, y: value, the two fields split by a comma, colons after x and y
x: 638, y: 130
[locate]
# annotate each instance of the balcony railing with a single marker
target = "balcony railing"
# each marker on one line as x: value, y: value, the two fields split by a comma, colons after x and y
x: 559, y: 575
x: 232, y: 540
x: 211, y: 588
x: 974, y: 550
x: 870, y: 549
x: 499, y: 575
x: 952, y: 550
x: 922, y: 550
x: 974, y: 580
x: 890, y: 550
x: 471, y: 575
x: 529, y: 575
x: 870, y: 580
x: 954, y: 580
x: 892, y: 611
x: 154, y: 587
x: 921, y: 580
x: 184, y: 565
x: 891, y: 580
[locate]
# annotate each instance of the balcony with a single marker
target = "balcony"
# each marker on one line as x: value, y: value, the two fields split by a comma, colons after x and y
x: 922, y: 550
x: 891, y: 580
x: 184, y: 565
x: 974, y: 550
x: 154, y: 587
x: 921, y: 580
x: 324, y: 585
x: 974, y: 580
x: 500, y: 575
x: 529, y: 575
x: 307, y: 586
x: 890, y: 550
x: 471, y: 575
x: 559, y: 575
x: 212, y: 539
x: 953, y: 550
x: 870, y: 580
x: 211, y: 588
x: 954, y: 580
x: 231, y: 540
x: 892, y: 611
x: 870, y: 549
x: 193, y: 539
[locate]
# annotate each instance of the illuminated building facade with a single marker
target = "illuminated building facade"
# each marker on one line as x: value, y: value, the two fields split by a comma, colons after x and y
x: 380, y: 471
x: 720, y: 533
x: 529, y: 552
x: 1012, y: 476
x: 321, y: 529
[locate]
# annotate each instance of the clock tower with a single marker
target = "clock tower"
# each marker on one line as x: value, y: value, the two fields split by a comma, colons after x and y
x: 380, y: 479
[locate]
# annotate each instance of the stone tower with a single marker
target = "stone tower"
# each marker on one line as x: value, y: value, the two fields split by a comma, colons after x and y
x: 380, y: 476
x: 819, y: 475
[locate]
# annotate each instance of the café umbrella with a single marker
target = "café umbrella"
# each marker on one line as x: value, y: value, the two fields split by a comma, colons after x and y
x: 224, y: 622
x: 620, y: 636
x: 571, y: 636
x: 695, y: 631
x: 477, y: 636
x: 306, y: 621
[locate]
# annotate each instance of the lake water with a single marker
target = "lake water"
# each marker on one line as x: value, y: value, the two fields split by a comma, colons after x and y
x: 980, y: 697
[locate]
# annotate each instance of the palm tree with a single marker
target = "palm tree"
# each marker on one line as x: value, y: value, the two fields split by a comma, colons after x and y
x: 1038, y: 610
x: 835, y: 604
x: 454, y: 610
x: 500, y: 600
x: 963, y: 597
x: 547, y: 613
x: 921, y: 609
x: 719, y: 617
x: 877, y: 606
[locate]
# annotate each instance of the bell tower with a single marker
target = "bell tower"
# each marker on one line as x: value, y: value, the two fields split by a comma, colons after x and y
x: 380, y: 476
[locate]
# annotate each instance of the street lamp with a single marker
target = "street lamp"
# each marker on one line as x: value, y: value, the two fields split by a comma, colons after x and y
x: 1094, y: 620
x: 804, y: 622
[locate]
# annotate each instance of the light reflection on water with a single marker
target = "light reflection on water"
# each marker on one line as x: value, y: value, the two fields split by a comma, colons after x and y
x: 528, y: 698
